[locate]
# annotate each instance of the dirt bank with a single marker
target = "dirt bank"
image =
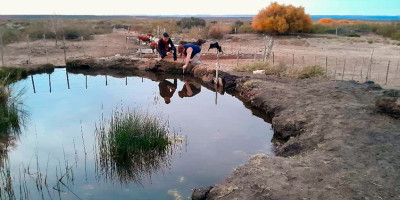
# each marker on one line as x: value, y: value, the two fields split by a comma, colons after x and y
x: 339, y: 145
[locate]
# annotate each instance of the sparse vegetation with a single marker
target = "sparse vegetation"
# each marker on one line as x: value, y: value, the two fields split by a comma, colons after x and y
x: 294, y: 72
x: 218, y: 31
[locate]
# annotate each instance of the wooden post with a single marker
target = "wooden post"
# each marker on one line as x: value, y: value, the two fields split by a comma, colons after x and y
x: 370, y: 65
x: 67, y: 79
x: 237, y: 60
x: 273, y: 58
x: 33, y: 84
x: 140, y: 49
x: 326, y: 66
x: 303, y: 60
x: 106, y: 81
x: 29, y: 49
x: 82, y: 47
x: 292, y: 59
x: 2, y: 50
x: 104, y: 48
x: 315, y: 60
x: 254, y: 59
x: 265, y: 50
x: 387, y: 73
x: 334, y: 76
x: 217, y: 69
x: 344, y: 68
x: 45, y: 48
x: 361, y: 70
x: 65, y: 50
x: 126, y: 80
x: 354, y: 71
x: 49, y: 83
x: 397, y: 68
x: 86, y: 81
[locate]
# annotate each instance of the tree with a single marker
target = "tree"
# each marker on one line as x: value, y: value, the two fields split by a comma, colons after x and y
x: 326, y: 21
x: 282, y: 19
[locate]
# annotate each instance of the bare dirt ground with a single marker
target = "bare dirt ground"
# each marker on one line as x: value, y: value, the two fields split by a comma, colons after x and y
x: 340, y: 146
x: 307, y: 50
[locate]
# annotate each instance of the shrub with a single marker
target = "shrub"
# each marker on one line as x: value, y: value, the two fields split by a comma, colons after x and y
x: 370, y: 41
x: 326, y: 21
x: 353, y: 35
x: 282, y: 19
x: 8, y: 35
x: 323, y: 29
x: 344, y: 21
x: 305, y: 72
x: 218, y: 31
x: 191, y: 22
x: 246, y: 28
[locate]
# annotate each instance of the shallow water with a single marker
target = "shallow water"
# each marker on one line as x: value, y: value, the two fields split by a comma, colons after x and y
x: 59, y: 140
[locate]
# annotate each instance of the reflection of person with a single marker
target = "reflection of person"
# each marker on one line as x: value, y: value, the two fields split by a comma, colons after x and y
x: 165, y: 46
x: 192, y: 53
x: 189, y: 90
x: 167, y: 90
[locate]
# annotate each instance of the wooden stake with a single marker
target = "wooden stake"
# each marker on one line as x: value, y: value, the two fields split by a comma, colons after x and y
x: 237, y: 60
x: 126, y: 80
x: 303, y: 60
x: 361, y: 70
x: 86, y: 81
x: 67, y: 80
x: 106, y: 81
x: 326, y: 66
x: 33, y: 84
x: 65, y: 51
x: 370, y: 65
x: 344, y: 68
x: 82, y: 47
x: 29, y: 49
x: 45, y: 48
x: 265, y: 50
x: 387, y: 73
x: 315, y: 60
x: 49, y: 83
x: 2, y: 50
x: 397, y: 68
x: 273, y: 58
x: 335, y: 70
x: 216, y: 69
x: 292, y: 59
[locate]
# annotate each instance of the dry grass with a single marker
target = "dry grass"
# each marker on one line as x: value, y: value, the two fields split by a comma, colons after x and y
x: 282, y: 70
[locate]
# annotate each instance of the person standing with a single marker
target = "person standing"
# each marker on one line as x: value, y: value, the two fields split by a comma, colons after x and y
x: 192, y: 53
x: 165, y: 46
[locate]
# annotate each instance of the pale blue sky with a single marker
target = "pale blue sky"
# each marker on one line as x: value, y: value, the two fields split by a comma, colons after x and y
x: 194, y: 7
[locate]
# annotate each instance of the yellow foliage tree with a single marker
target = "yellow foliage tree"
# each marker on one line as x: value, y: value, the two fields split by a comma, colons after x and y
x: 282, y: 19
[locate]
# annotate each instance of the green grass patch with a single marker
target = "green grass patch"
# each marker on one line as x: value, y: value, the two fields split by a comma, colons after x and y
x: 353, y: 35
x: 10, y: 75
x: 131, y: 144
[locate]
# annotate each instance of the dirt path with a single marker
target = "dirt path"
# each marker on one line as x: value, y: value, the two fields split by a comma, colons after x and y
x: 340, y: 146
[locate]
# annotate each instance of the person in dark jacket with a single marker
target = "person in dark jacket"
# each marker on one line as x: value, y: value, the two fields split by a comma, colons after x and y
x: 165, y: 46
x: 167, y: 90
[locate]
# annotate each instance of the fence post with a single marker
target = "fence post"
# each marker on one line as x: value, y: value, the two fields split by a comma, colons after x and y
x: 315, y: 60
x: 86, y: 81
x: 217, y: 69
x: 2, y: 50
x: 265, y: 49
x: 354, y: 71
x: 65, y: 51
x: 303, y: 60
x: 49, y: 83
x: 370, y: 65
x: 33, y: 84
x: 29, y: 49
x: 334, y: 76
x: 397, y: 68
x: 344, y: 68
x: 237, y: 60
x: 387, y: 73
x: 66, y: 72
x: 82, y: 47
x: 292, y: 59
x: 273, y: 58
x: 326, y: 66
x: 45, y: 48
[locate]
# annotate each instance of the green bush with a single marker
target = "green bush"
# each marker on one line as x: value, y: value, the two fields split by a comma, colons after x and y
x: 353, y: 35
x: 10, y: 75
x: 188, y: 23
x: 9, y: 35
x: 323, y: 29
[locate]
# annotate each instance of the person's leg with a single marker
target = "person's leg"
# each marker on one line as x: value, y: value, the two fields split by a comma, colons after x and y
x: 173, y: 48
x: 196, y: 58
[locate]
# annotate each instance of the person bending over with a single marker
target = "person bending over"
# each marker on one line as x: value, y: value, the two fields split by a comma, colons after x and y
x: 165, y: 46
x: 192, y: 53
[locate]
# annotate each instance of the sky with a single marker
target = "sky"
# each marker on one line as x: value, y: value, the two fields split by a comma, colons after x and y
x: 193, y: 7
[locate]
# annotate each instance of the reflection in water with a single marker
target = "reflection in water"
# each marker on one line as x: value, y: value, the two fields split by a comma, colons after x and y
x: 12, y: 113
x: 189, y: 89
x: 131, y: 146
x: 167, y: 89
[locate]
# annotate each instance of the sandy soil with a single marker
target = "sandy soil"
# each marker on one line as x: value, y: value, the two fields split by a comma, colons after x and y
x: 309, y: 50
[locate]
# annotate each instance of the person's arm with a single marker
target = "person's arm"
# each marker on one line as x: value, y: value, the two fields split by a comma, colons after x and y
x: 188, y: 89
x: 188, y: 54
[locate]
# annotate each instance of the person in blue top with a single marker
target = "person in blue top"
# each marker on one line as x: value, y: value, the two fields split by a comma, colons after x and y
x: 192, y: 53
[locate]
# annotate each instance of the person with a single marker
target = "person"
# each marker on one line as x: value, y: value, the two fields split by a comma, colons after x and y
x: 192, y: 53
x: 167, y: 90
x: 165, y: 46
x: 189, y: 89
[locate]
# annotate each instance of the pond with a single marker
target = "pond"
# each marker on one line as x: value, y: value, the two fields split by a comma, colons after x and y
x: 58, y: 156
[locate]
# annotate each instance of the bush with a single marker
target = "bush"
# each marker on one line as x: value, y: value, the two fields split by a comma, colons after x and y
x: 305, y: 72
x: 353, y: 35
x: 246, y: 29
x: 10, y: 75
x: 8, y: 35
x: 323, y: 29
x: 191, y: 22
x: 218, y: 31
x: 326, y: 21
x: 282, y: 19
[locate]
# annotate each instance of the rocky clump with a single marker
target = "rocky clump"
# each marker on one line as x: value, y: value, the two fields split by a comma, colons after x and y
x: 389, y: 103
x: 201, y: 193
